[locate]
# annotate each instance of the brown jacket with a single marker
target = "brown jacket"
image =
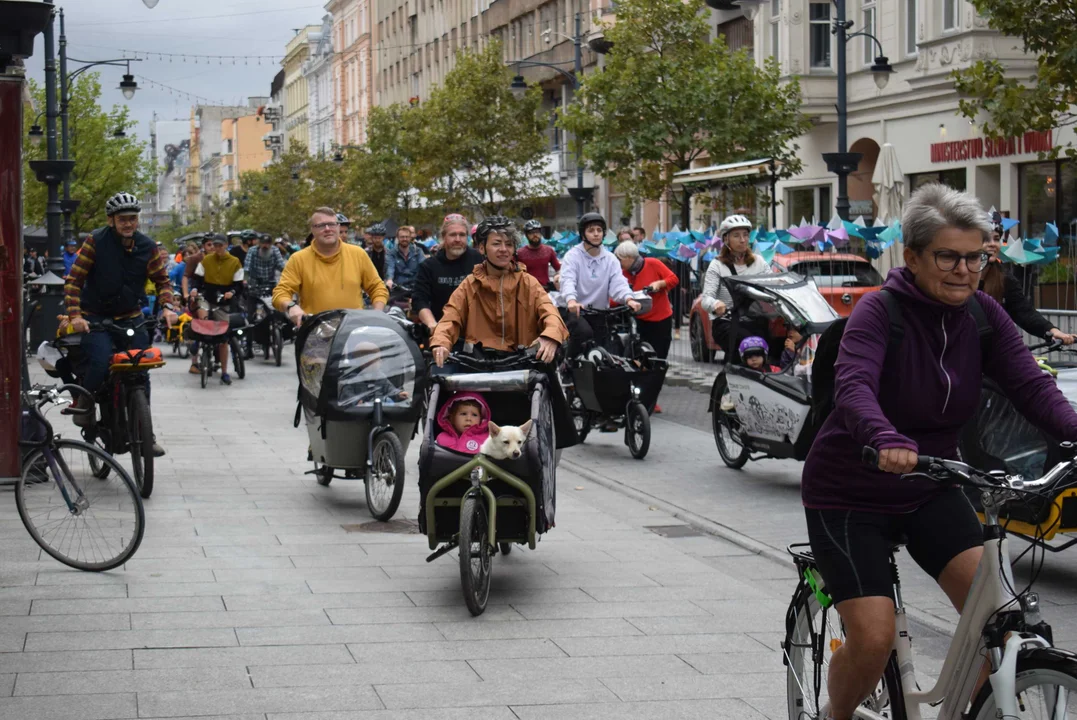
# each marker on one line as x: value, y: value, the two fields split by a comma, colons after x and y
x: 502, y: 313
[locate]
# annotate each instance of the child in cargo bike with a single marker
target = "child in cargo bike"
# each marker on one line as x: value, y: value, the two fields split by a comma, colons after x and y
x: 364, y: 377
x: 753, y: 351
x: 465, y: 423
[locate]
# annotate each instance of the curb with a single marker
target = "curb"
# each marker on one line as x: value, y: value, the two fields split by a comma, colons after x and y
x: 728, y: 534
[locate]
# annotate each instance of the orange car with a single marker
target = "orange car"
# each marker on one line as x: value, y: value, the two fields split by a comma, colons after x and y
x: 841, y: 278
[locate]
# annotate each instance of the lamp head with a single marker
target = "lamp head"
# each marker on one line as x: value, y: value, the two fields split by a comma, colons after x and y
x: 518, y: 87
x: 151, y: 4
x: 128, y: 86
x: 36, y: 134
x: 881, y: 71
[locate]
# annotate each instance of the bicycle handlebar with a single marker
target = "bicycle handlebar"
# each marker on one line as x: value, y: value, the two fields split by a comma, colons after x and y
x: 942, y: 470
x: 128, y: 329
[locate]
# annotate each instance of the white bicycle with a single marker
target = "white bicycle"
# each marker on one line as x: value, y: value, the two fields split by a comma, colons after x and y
x: 1029, y: 678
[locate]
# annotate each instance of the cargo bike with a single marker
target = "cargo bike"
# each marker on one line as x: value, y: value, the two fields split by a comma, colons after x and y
x: 362, y: 390
x: 754, y: 414
x: 479, y: 505
x: 615, y: 382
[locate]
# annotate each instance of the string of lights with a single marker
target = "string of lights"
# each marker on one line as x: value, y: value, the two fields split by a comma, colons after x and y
x: 149, y: 82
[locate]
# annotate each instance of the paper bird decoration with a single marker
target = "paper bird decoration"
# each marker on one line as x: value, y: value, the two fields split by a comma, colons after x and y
x: 1008, y: 223
x: 1050, y: 234
x: 431, y: 242
x: 685, y: 252
x: 709, y: 256
x: 807, y: 234
x: 1020, y: 253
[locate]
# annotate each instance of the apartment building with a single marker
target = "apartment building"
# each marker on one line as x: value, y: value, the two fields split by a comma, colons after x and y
x: 318, y: 70
x: 296, y: 94
x: 352, y: 67
x: 242, y: 150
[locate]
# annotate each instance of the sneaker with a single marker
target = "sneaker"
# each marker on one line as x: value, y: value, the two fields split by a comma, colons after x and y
x: 195, y: 370
x: 80, y: 419
x: 657, y: 409
x: 158, y: 451
x: 226, y: 379
x: 727, y: 403
x: 677, y: 334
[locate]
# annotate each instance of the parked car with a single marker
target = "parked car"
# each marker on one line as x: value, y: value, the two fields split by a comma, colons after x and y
x: 841, y: 278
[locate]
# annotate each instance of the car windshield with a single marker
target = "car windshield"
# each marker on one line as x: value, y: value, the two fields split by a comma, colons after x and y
x: 839, y: 273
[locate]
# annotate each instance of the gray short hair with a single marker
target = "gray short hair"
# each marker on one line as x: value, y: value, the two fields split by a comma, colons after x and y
x: 627, y: 249
x: 935, y: 207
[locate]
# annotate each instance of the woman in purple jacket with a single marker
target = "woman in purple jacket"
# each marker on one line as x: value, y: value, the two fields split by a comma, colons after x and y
x: 931, y: 389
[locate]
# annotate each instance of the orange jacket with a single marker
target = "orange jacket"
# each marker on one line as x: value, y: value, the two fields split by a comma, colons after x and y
x: 502, y: 313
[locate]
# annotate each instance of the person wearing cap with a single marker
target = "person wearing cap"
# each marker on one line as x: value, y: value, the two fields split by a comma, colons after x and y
x: 440, y: 274
x: 217, y: 281
x: 375, y: 248
x: 328, y: 275
x: 71, y: 251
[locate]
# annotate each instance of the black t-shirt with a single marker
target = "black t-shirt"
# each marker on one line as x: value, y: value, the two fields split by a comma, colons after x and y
x: 239, y: 252
x: 438, y: 277
x: 378, y: 258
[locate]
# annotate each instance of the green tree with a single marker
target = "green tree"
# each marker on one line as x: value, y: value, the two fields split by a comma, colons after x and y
x: 1008, y: 105
x: 669, y: 95
x: 104, y: 164
x: 383, y: 172
x: 475, y: 145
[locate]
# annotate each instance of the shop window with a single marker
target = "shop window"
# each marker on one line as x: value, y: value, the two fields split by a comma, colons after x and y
x: 955, y: 178
x: 819, y: 40
x: 1048, y: 194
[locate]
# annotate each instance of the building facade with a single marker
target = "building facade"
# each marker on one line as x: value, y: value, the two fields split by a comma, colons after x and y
x: 296, y: 94
x: 352, y: 67
x: 318, y: 70
x: 242, y: 151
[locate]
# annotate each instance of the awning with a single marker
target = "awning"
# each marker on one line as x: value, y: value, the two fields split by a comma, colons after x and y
x: 714, y: 173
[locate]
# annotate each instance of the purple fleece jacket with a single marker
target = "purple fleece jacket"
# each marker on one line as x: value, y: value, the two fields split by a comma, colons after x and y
x: 919, y: 398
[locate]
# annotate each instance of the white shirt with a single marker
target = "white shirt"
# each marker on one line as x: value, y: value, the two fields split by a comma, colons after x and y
x: 593, y: 280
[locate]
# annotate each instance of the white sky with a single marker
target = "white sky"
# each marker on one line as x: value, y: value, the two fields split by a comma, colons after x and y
x: 101, y: 29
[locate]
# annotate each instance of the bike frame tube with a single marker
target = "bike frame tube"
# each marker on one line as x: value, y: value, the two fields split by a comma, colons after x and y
x: 961, y: 669
x: 55, y: 463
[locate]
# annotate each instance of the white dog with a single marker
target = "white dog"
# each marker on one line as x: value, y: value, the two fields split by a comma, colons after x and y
x: 505, y: 443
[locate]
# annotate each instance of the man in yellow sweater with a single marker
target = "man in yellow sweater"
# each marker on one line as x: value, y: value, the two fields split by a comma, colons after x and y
x: 327, y: 275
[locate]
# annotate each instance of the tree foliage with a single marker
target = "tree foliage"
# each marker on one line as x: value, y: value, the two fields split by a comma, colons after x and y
x: 104, y: 164
x: 669, y: 95
x: 1008, y: 105
x: 475, y: 145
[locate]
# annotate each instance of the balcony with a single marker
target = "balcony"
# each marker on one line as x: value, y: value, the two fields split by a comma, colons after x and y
x: 603, y: 12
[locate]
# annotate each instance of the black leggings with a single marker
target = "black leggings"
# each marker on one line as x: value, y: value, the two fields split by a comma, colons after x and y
x: 580, y: 333
x: 658, y: 333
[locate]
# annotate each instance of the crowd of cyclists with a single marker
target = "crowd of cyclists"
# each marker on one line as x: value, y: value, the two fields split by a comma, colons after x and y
x: 478, y: 286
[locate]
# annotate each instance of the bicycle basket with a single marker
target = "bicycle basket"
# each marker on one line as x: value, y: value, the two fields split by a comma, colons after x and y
x: 136, y: 360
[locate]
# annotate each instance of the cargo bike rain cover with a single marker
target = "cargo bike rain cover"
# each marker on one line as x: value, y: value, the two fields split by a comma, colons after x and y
x: 347, y: 358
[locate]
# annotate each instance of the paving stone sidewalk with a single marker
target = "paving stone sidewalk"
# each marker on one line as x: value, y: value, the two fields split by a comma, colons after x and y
x: 254, y: 596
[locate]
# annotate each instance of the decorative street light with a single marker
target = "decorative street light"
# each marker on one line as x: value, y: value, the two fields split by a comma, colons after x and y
x: 518, y: 87
x: 36, y: 135
x: 119, y: 133
x: 128, y: 86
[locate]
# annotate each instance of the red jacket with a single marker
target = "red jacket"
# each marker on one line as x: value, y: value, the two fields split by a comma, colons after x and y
x: 651, y: 271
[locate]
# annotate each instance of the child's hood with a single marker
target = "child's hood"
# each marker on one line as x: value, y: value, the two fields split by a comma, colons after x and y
x: 484, y: 413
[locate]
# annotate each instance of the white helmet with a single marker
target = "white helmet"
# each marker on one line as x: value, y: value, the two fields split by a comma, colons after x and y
x: 732, y: 223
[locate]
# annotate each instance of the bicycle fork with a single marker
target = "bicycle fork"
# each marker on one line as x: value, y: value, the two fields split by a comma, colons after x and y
x: 62, y: 475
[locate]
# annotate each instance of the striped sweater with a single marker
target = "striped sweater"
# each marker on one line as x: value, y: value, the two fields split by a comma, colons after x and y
x: 156, y: 271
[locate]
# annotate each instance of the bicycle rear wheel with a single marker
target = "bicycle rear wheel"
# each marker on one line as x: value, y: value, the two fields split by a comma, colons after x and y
x: 278, y: 344
x: 813, y: 636
x: 238, y: 363
x: 106, y: 524
x: 140, y: 440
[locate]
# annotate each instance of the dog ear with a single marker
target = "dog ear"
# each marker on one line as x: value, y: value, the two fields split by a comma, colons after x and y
x: 526, y: 428
x: 494, y: 429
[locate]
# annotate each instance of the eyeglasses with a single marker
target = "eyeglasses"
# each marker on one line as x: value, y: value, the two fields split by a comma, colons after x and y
x: 947, y: 260
x: 324, y: 225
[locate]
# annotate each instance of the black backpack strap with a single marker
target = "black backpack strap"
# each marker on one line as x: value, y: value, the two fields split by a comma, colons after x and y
x: 897, y: 323
x: 983, y: 326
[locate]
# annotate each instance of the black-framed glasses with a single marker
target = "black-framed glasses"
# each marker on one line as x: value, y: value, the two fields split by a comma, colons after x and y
x: 324, y: 225
x: 947, y: 260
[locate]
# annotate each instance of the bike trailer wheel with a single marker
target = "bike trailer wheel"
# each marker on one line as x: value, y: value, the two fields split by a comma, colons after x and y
x: 637, y: 430
x: 726, y: 429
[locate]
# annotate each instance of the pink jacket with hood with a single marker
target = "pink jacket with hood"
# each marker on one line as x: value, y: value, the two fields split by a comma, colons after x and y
x: 474, y: 436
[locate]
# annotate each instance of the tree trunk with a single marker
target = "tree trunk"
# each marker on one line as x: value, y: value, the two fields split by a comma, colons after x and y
x: 686, y: 209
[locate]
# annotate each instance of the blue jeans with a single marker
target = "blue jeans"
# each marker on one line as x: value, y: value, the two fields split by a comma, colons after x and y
x: 97, y: 351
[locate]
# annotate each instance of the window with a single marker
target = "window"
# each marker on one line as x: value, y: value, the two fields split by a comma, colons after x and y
x: 1048, y: 194
x: 910, y: 27
x: 819, y: 22
x: 950, y: 10
x: 954, y: 178
x: 775, y: 29
x: 839, y: 273
x: 868, y: 26
x: 809, y: 203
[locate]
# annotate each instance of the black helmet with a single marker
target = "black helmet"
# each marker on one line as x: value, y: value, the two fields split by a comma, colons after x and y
x: 590, y: 219
x: 495, y: 223
x: 122, y: 202
x: 532, y: 225
x: 377, y: 229
x: 342, y: 219
x: 248, y: 235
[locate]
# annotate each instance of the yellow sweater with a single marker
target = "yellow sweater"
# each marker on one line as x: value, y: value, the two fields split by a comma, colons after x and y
x: 329, y: 283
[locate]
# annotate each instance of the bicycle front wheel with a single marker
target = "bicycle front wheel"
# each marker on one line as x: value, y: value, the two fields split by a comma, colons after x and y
x: 1045, y: 685
x: 99, y: 525
x: 815, y: 633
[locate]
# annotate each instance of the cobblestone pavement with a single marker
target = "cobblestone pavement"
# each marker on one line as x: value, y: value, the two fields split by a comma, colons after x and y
x: 258, y: 594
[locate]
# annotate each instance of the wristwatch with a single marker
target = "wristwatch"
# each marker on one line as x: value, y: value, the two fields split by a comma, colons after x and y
x: 291, y: 305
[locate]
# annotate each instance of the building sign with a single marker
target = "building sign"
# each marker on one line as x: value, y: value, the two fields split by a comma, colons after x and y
x: 976, y: 148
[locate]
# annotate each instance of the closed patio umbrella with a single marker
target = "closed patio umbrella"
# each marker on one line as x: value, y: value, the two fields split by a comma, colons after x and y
x: 889, y: 184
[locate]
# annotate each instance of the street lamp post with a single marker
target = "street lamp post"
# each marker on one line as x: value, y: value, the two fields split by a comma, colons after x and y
x: 581, y: 194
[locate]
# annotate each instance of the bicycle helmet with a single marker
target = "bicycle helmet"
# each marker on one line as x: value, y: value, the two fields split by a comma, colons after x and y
x: 532, y: 225
x: 248, y: 235
x: 496, y: 223
x: 590, y: 219
x: 122, y: 202
x: 753, y: 345
x: 734, y: 222
x: 342, y: 219
x: 377, y: 229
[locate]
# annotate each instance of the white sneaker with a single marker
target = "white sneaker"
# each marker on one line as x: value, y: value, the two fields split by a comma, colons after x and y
x: 727, y: 403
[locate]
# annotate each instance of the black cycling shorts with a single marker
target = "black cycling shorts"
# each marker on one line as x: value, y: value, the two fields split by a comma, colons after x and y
x: 851, y: 547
